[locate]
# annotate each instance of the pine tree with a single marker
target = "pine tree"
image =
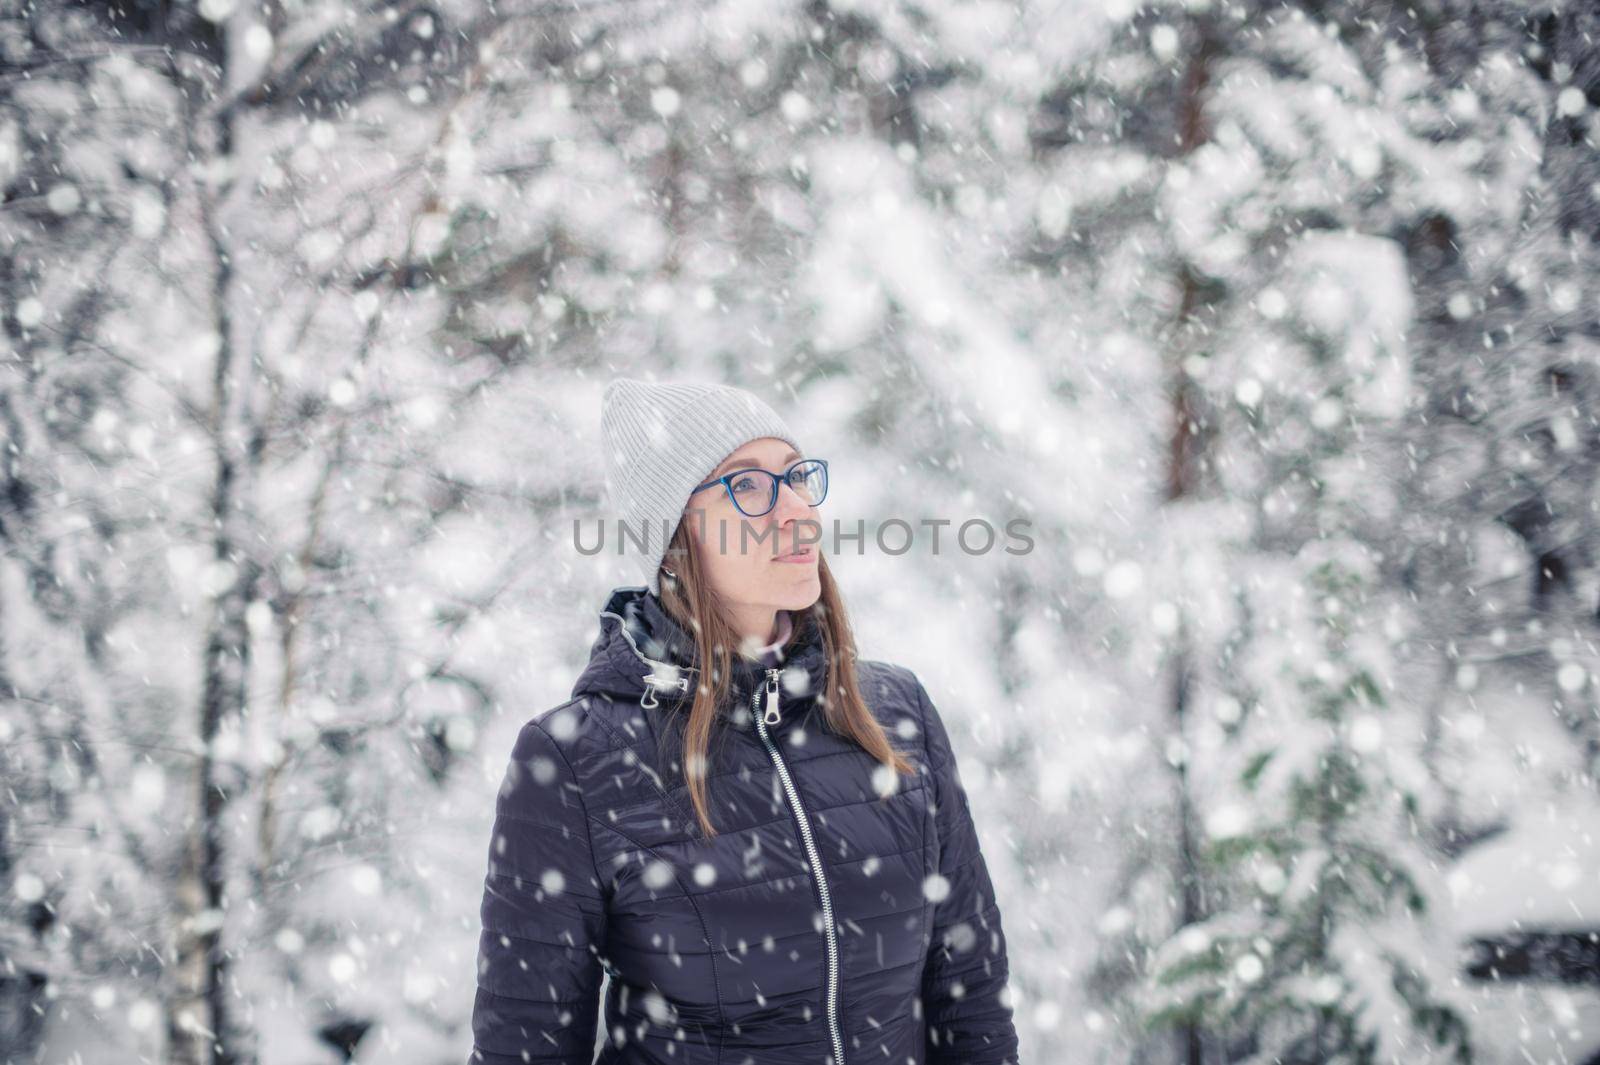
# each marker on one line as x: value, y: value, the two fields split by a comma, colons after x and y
x: 1322, y: 942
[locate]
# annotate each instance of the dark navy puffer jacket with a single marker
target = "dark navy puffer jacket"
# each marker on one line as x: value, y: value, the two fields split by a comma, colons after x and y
x: 842, y: 916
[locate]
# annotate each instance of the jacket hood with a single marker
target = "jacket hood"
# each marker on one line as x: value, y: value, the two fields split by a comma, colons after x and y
x: 641, y: 646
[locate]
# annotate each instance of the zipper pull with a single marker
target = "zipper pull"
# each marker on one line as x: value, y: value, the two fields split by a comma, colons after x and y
x: 772, y: 716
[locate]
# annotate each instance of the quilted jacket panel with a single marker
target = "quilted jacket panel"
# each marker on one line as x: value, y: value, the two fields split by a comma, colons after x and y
x: 718, y: 947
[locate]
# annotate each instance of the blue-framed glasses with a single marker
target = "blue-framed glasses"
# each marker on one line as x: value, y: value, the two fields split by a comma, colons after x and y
x: 755, y: 491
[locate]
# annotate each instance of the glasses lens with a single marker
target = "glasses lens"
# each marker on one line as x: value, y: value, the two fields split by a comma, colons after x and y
x: 810, y: 481
x: 754, y: 493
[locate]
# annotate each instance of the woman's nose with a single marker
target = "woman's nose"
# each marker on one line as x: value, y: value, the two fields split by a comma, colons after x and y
x: 791, y: 504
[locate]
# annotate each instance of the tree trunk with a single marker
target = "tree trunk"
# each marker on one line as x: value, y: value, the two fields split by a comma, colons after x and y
x: 201, y: 1030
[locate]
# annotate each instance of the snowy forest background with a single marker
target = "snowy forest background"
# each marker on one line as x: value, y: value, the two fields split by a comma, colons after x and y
x: 1280, y: 321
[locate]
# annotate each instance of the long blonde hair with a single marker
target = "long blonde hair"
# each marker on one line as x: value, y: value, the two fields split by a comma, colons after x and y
x: 690, y: 601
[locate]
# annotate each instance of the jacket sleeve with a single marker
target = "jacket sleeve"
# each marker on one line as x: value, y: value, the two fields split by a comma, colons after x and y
x: 969, y: 1015
x: 543, y: 917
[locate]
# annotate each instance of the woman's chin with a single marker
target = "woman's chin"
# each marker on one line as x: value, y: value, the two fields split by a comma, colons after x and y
x: 801, y: 590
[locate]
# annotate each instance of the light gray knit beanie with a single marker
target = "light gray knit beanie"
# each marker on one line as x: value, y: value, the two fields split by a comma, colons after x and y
x: 662, y: 440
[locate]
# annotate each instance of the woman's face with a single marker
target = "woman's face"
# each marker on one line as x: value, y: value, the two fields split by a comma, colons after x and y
x: 752, y: 562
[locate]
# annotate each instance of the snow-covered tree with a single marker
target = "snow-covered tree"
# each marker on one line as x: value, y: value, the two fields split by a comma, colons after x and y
x: 1321, y: 942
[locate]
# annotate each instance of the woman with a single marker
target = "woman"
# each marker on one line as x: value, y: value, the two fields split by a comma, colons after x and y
x: 762, y: 839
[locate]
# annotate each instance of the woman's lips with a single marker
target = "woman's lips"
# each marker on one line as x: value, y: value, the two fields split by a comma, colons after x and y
x: 807, y: 554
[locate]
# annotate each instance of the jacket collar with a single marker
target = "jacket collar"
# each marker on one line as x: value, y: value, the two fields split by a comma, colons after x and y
x: 639, y: 639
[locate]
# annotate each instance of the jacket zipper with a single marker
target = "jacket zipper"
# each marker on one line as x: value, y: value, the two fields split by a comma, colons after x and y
x: 771, y: 715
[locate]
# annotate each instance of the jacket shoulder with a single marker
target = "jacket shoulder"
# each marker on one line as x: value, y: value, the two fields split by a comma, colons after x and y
x: 890, y: 682
x: 577, y: 728
x: 894, y: 695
